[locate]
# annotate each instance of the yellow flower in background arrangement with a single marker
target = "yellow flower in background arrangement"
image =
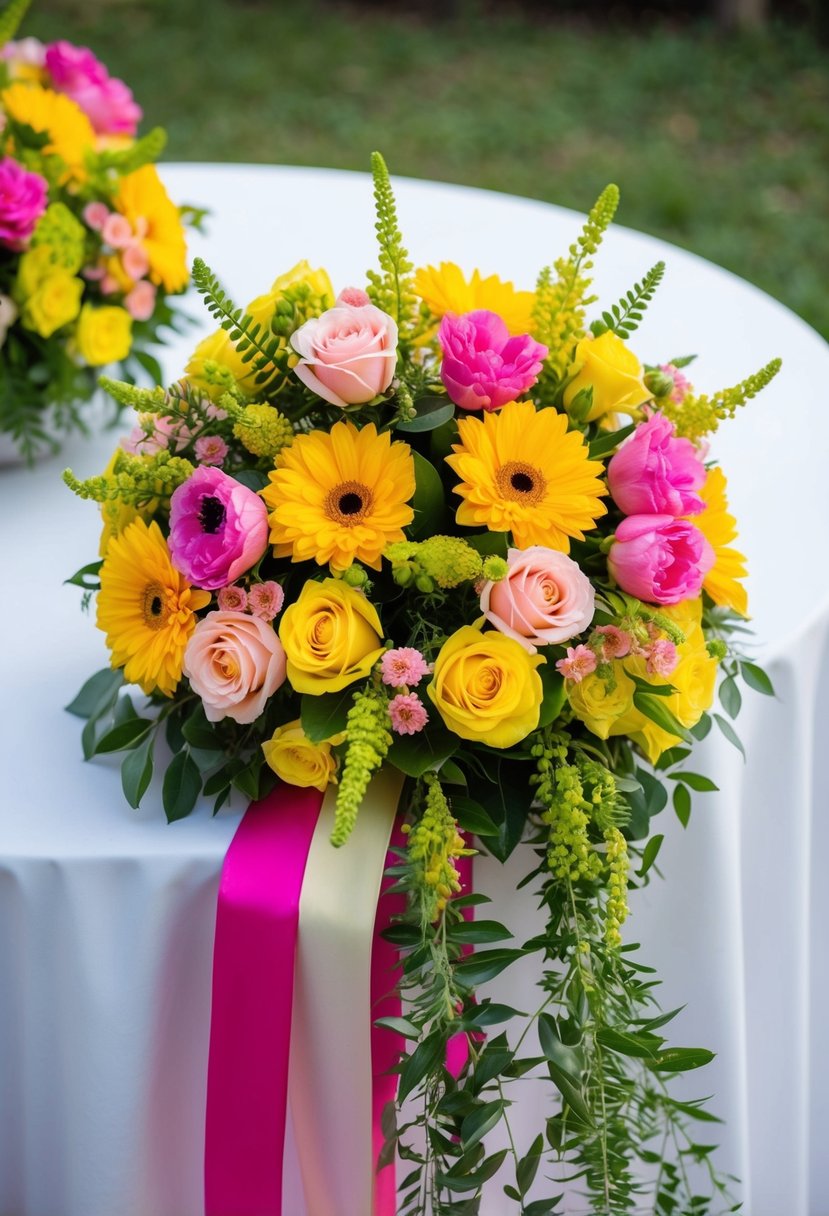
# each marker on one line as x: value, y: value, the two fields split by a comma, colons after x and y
x: 522, y: 472
x: 294, y: 758
x: 54, y: 303
x: 341, y: 496
x: 444, y: 288
x: 104, y: 335
x: 146, y: 608
x: 70, y: 133
x: 719, y: 528
x: 145, y: 202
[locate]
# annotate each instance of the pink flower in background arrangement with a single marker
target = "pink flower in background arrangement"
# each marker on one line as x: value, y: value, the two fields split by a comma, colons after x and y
x: 117, y: 231
x: 107, y: 102
x: 218, y: 528
x: 408, y: 714
x: 210, y: 449
x: 232, y: 599
x: 234, y: 663
x: 483, y: 367
x: 29, y: 52
x: 544, y: 599
x: 140, y: 302
x: 135, y: 261
x: 23, y: 198
x: 655, y: 473
x: 96, y: 215
x: 659, y: 559
x: 265, y: 600
x: 403, y: 666
x: 349, y: 354
x: 580, y: 661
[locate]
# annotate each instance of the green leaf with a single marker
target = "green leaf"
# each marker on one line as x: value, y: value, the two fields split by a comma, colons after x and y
x: 472, y: 817
x: 182, y: 786
x: 681, y: 1059
x: 528, y: 1166
x: 420, y: 1064
x: 489, y: 542
x: 137, y: 772
x: 682, y: 804
x: 415, y: 755
x: 730, y: 697
x: 200, y: 733
x: 247, y: 779
x: 756, y: 678
x: 696, y: 781
x: 655, y: 709
x: 473, y: 1181
x: 432, y: 412
x: 490, y: 1013
x: 730, y: 734
x: 452, y: 774
x: 86, y: 577
x: 427, y: 502
x: 254, y: 479
x: 325, y: 715
x: 568, y: 1087
x: 481, y: 1120
x: 485, y: 965
x: 554, y: 1050
x: 478, y: 932
x: 702, y: 728
x: 608, y: 443
x: 125, y: 735
x: 98, y: 692
x: 650, y: 854
x: 672, y: 756
x: 399, y: 1026
x: 554, y: 693
x: 639, y: 1046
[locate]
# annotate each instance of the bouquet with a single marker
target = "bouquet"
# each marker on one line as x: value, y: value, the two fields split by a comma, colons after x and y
x: 445, y: 525
x: 91, y: 246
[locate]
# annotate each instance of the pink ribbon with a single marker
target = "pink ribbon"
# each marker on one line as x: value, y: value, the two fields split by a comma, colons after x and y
x: 253, y: 983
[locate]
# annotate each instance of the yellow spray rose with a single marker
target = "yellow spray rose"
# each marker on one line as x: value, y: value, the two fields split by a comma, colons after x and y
x: 486, y: 687
x: 54, y: 303
x: 104, y: 335
x: 332, y: 636
x: 601, y: 704
x: 612, y: 371
x: 294, y: 758
x: 34, y: 266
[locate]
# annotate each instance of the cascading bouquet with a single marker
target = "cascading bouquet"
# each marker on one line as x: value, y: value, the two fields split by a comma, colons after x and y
x: 91, y: 246
x: 444, y: 525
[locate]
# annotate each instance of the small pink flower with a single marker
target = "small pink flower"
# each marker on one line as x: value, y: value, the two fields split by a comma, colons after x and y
x: 110, y: 285
x: 615, y: 642
x: 164, y: 432
x: 233, y: 598
x: 484, y: 367
x: 580, y: 661
x: 408, y: 714
x: 214, y: 412
x: 353, y: 296
x: 140, y: 301
x: 348, y: 355
x: 93, y: 274
x: 654, y: 473
x: 265, y: 600
x: 405, y: 665
x: 681, y: 383
x: 117, y: 231
x: 96, y: 215
x: 23, y: 199
x: 135, y: 261
x: 659, y: 559
x: 29, y: 52
x: 662, y: 658
x: 210, y: 449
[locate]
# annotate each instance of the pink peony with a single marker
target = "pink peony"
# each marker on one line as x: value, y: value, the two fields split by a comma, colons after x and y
x: 234, y: 663
x: 348, y: 355
x: 408, y: 714
x: 210, y: 449
x: 659, y: 559
x: 579, y: 662
x: 232, y: 599
x: 405, y: 665
x: 483, y: 368
x: 265, y: 600
x: 615, y: 643
x: 654, y: 473
x: 140, y: 300
x: 218, y: 528
x: 106, y: 101
x: 544, y: 599
x: 23, y: 198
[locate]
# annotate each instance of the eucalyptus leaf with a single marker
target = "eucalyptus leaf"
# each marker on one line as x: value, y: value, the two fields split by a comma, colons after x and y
x: 99, y: 691
x: 756, y: 678
x: 125, y: 735
x: 182, y: 786
x: 137, y: 772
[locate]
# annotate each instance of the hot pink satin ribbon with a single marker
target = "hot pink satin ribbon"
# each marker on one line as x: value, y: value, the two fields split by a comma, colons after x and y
x: 253, y: 983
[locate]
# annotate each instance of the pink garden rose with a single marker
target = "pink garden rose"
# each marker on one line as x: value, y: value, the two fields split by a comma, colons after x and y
x: 349, y: 354
x: 218, y: 528
x: 23, y: 198
x: 483, y: 367
x: 543, y: 600
x: 234, y: 663
x: 659, y: 559
x: 107, y: 102
x: 654, y: 473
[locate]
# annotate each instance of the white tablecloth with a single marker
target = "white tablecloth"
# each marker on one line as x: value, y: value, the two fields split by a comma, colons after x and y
x: 106, y: 914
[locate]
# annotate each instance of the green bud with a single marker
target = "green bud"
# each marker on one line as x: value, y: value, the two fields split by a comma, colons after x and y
x: 424, y: 583
x: 716, y: 648
x: 495, y: 568
x: 659, y: 383
x: 581, y: 405
x: 355, y: 576
x: 403, y: 575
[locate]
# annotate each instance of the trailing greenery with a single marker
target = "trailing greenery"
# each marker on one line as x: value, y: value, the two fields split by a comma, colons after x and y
x: 623, y: 318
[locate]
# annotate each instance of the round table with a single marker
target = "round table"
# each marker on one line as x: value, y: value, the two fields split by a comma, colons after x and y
x: 107, y: 914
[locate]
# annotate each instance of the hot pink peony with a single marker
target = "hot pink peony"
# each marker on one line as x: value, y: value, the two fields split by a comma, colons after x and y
x: 348, y: 355
x: 234, y: 663
x: 544, y: 599
x: 654, y: 473
x: 23, y: 198
x: 106, y: 101
x: 218, y: 528
x: 484, y: 368
x: 659, y: 559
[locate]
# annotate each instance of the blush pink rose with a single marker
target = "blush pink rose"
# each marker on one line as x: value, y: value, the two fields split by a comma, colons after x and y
x: 659, y: 559
x: 234, y: 663
x: 654, y: 473
x: 544, y: 599
x: 483, y: 367
x: 348, y: 355
x: 218, y: 528
x: 23, y: 197
x: 140, y: 300
x: 107, y: 102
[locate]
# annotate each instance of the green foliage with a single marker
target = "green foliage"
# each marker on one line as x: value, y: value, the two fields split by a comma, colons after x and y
x: 391, y: 288
x: 624, y: 317
x: 256, y: 344
x: 145, y: 151
x: 11, y: 19
x: 702, y: 415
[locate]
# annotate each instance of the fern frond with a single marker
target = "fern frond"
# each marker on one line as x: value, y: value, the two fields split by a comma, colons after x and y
x: 11, y: 19
x: 254, y: 343
x: 625, y: 316
x: 390, y: 290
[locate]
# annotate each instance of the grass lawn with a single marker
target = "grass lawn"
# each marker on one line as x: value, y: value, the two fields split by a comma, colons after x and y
x: 718, y: 143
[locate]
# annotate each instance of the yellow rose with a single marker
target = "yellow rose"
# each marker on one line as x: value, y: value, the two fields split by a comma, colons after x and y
x: 332, y: 636
x: 612, y: 371
x: 598, y: 705
x: 33, y: 268
x: 53, y: 304
x: 104, y: 335
x: 486, y: 687
x: 294, y: 758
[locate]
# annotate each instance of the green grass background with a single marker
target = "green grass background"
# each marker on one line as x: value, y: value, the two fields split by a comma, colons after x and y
x: 719, y: 142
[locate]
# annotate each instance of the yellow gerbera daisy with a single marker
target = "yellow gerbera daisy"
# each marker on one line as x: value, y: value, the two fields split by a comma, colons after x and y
x: 71, y: 134
x: 146, y: 608
x: 719, y: 528
x: 522, y: 472
x: 340, y: 497
x: 143, y: 199
x: 445, y: 289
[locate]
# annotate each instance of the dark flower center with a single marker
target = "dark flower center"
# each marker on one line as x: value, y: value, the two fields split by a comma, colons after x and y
x: 521, y: 482
x: 154, y: 607
x: 212, y: 514
x: 348, y: 503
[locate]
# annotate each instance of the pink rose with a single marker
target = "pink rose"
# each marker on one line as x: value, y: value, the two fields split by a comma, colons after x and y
x: 135, y: 261
x: 23, y: 197
x: 543, y: 600
x: 105, y: 100
x: 654, y: 473
x: 659, y: 559
x: 348, y: 354
x: 218, y: 528
x: 483, y: 367
x: 140, y: 300
x: 234, y: 663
